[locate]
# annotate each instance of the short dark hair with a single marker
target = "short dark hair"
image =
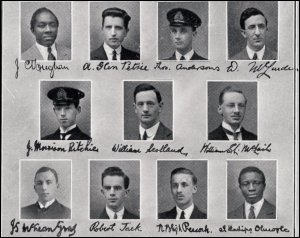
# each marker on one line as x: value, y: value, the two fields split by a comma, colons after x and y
x: 252, y: 169
x: 249, y: 12
x: 115, y: 171
x: 116, y: 12
x: 46, y: 169
x: 182, y: 170
x: 146, y: 87
x: 39, y: 11
x: 230, y: 89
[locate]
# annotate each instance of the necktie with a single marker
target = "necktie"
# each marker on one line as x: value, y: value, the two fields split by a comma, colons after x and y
x: 50, y: 55
x: 254, y: 56
x: 63, y: 135
x: 234, y: 134
x: 114, y: 55
x: 145, y: 136
x: 182, y: 58
x: 251, y: 213
x: 182, y: 215
x: 115, y: 216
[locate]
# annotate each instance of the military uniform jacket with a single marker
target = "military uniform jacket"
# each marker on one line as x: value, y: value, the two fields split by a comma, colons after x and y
x: 76, y: 134
x: 63, y: 53
x: 267, y: 211
x: 196, y: 214
x: 219, y: 134
x: 194, y: 57
x: 243, y: 55
x: 100, y: 54
x: 55, y: 211
x: 126, y: 215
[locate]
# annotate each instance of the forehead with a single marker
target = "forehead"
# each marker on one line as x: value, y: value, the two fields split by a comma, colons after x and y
x: 251, y: 176
x: 114, y: 180
x: 48, y: 175
x: 149, y: 95
x: 112, y: 20
x: 181, y: 178
x: 254, y: 20
x: 234, y: 97
x: 181, y: 28
x: 45, y: 16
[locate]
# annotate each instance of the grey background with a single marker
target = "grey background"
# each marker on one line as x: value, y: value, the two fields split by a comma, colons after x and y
x: 200, y: 42
x: 250, y: 91
x: 62, y: 10
x: 49, y: 123
x: 236, y: 42
x: 131, y: 122
x: 132, y: 40
x: 234, y: 195
x: 165, y: 201
x: 28, y: 169
x: 97, y: 200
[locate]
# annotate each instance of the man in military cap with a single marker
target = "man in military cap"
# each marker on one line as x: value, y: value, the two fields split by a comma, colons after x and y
x: 183, y: 25
x: 66, y: 109
x: 115, y: 29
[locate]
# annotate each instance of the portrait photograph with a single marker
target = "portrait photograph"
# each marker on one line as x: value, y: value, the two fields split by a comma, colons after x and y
x: 114, y: 189
x: 182, y: 187
x: 251, y: 189
x: 232, y: 110
x: 114, y: 31
x: 148, y: 110
x: 183, y: 31
x: 45, y: 189
x: 65, y: 110
x: 46, y: 31
x: 252, y: 30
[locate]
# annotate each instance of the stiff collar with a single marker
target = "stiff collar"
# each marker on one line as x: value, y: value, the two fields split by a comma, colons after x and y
x: 260, y: 53
x: 111, y: 213
x: 228, y: 127
x: 68, y: 129
x: 48, y: 204
x: 109, y: 51
x: 44, y: 50
x: 187, y: 56
x: 151, y: 132
x: 187, y: 212
x: 257, y: 207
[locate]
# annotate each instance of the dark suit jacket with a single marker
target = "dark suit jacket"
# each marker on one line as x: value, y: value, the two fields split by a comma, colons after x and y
x: 55, y: 211
x: 196, y: 214
x: 243, y: 55
x: 268, y: 211
x: 99, y: 54
x: 219, y: 134
x: 76, y: 134
x: 63, y: 53
x: 194, y: 57
x: 127, y: 215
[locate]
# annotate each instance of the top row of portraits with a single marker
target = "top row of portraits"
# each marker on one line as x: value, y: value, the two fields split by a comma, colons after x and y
x: 183, y: 31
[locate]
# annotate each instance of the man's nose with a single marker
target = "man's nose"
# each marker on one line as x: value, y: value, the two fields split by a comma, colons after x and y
x: 179, y: 189
x: 44, y: 186
x: 145, y: 108
x: 236, y: 108
x: 47, y: 28
x: 113, y: 31
x: 257, y: 30
x: 251, y: 187
x: 63, y: 112
x: 112, y: 192
x: 177, y: 35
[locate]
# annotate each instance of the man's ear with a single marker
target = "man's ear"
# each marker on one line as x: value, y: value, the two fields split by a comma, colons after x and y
x: 220, y: 111
x: 195, y: 33
x: 195, y: 189
x: 127, y: 192
x: 79, y: 109
x: 243, y: 33
x: 161, y: 106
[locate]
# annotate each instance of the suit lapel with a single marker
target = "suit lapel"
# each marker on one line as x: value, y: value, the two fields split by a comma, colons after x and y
x: 36, y: 53
x: 222, y: 133
x: 266, y: 211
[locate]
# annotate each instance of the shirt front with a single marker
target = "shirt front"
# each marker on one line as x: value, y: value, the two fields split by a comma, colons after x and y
x: 226, y: 126
x: 187, y: 212
x: 151, y: 132
x: 109, y: 52
x: 44, y: 51
x: 187, y: 56
x: 260, y: 53
x: 66, y: 131
x: 48, y: 204
x: 111, y: 213
x: 257, y: 207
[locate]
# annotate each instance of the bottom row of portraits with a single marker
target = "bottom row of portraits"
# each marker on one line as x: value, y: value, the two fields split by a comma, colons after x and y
x: 114, y: 189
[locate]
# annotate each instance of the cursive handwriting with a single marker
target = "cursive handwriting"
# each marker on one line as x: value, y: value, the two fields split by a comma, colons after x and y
x: 194, y: 67
x: 101, y: 227
x: 127, y: 227
x: 125, y: 148
x: 257, y: 148
x: 209, y: 148
x: 165, y: 148
x: 184, y: 227
x: 257, y: 228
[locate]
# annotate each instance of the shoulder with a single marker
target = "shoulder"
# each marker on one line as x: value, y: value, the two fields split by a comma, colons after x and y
x: 270, y: 54
x: 31, y: 53
x: 236, y: 213
x: 173, y: 57
x: 127, y: 54
x: 242, y: 55
x: 79, y: 135
x: 63, y: 52
x: 197, y: 214
x: 217, y: 134
x: 29, y: 212
x: 129, y: 215
x: 197, y: 57
x: 268, y: 210
x: 29, y: 207
x: 103, y: 215
x: 171, y: 214
x: 247, y: 135
x: 53, y: 136
x: 98, y: 54
x: 64, y: 211
x: 163, y: 133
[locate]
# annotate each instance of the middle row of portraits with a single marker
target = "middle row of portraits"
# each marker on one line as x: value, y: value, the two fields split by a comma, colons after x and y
x: 148, y: 110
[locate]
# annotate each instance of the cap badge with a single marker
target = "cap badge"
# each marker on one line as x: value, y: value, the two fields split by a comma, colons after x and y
x: 61, y: 94
x: 178, y: 16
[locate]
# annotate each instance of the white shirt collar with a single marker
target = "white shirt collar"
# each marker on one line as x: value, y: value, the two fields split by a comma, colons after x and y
x: 44, y: 50
x: 187, y: 212
x: 187, y: 56
x: 111, y: 213
x: 67, y: 130
x: 109, y: 51
x: 48, y: 204
x: 257, y: 207
x: 226, y: 126
x: 260, y: 53
x: 151, y: 132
